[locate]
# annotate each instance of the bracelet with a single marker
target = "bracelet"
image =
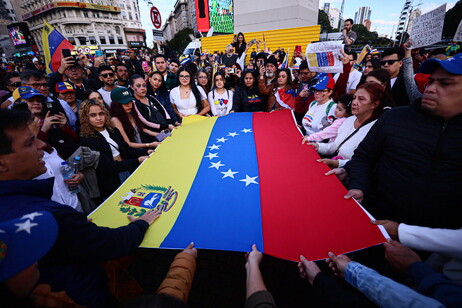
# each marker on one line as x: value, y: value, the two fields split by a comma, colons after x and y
x: 147, y: 145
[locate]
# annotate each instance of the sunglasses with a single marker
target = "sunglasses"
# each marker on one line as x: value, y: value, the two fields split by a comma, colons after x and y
x: 107, y: 75
x: 390, y: 62
x: 16, y: 84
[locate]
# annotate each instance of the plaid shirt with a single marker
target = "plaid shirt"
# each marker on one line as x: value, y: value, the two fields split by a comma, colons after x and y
x: 171, y: 81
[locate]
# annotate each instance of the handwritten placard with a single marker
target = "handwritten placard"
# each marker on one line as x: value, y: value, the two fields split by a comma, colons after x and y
x: 324, y: 57
x: 427, y: 29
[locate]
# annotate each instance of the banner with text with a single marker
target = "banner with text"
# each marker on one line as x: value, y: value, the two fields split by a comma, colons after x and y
x: 324, y: 57
x: 427, y: 29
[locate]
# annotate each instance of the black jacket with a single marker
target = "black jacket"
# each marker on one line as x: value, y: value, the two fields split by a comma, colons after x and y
x: 398, y: 92
x: 409, y: 167
x: 108, y: 169
x: 79, y: 91
x: 248, y: 100
x: 79, y: 241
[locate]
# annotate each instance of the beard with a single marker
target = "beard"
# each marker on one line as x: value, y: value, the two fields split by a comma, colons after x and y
x: 269, y: 74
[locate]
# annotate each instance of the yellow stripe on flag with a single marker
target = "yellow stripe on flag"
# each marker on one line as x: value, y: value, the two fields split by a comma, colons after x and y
x: 313, y: 59
x: 47, y: 29
x: 170, y: 170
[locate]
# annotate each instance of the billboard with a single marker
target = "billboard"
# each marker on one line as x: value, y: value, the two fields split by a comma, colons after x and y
x: 218, y: 14
x: 19, y: 34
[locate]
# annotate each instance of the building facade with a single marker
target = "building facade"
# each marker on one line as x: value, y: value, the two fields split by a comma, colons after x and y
x: 109, y: 24
x: 183, y: 16
x: 334, y: 17
x: 364, y: 13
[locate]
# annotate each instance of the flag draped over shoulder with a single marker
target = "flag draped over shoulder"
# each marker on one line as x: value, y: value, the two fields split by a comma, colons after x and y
x: 53, y: 44
x: 227, y: 183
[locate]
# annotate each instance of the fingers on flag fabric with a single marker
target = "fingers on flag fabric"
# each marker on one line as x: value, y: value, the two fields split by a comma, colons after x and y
x: 53, y: 44
x: 227, y: 183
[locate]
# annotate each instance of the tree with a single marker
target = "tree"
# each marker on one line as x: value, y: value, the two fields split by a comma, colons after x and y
x: 324, y: 21
x: 452, y: 20
x: 363, y: 35
x: 180, y: 40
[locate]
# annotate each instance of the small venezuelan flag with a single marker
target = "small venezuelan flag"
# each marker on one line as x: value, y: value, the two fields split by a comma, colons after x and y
x: 227, y: 183
x: 53, y: 44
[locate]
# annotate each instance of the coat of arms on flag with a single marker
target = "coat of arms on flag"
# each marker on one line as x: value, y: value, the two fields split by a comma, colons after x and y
x: 147, y: 197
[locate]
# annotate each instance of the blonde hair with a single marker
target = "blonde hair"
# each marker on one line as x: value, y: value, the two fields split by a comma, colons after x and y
x: 86, y: 129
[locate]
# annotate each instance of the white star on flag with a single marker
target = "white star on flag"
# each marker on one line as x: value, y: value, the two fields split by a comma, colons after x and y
x: 228, y: 174
x: 1, y: 231
x: 233, y: 134
x: 222, y: 139
x: 249, y: 180
x: 216, y: 165
x: 31, y: 216
x: 246, y: 130
x: 212, y: 155
x: 25, y: 226
x: 214, y: 147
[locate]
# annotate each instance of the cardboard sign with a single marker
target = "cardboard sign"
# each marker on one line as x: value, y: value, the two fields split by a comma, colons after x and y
x: 324, y: 57
x: 428, y: 28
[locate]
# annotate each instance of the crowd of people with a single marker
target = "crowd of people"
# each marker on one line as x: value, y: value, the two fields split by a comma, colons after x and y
x: 389, y: 127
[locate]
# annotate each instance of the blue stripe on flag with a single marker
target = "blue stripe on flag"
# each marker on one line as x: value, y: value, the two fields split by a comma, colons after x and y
x: 222, y: 210
x: 54, y: 40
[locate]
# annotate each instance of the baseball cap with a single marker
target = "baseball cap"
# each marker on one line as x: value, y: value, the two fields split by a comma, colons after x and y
x: 24, y: 240
x: 63, y: 87
x: 28, y: 92
x: 121, y: 95
x: 452, y: 65
x: 324, y: 82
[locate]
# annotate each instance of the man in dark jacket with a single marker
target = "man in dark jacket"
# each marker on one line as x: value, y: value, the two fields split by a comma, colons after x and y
x: 79, y: 241
x: 408, y: 168
x: 392, y: 62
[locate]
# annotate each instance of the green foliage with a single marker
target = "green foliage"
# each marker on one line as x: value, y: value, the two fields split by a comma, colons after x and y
x: 364, y: 36
x: 155, y: 188
x: 452, y: 20
x: 324, y: 22
x: 180, y: 40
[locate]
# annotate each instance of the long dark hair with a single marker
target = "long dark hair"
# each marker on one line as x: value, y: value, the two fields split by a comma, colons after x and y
x: 255, y: 78
x: 208, y: 86
x: 163, y: 87
x: 117, y: 111
x: 289, y: 76
x: 194, y: 88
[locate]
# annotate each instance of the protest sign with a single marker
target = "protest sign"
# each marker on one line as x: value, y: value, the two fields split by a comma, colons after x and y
x: 427, y: 29
x: 458, y: 35
x: 324, y: 57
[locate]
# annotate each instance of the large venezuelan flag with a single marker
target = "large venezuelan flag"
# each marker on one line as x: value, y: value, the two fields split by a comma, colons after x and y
x: 53, y: 44
x: 227, y: 183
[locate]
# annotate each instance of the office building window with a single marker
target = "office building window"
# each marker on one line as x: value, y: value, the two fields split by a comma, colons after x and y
x: 111, y: 40
x: 102, y: 40
x: 120, y: 40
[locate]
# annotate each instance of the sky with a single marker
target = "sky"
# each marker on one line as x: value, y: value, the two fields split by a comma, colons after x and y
x: 385, y: 13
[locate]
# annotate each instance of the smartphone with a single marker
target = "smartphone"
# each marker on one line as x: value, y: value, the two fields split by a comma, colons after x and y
x: 163, y: 134
x: 298, y: 48
x: 252, y: 42
x: 66, y: 53
x: 145, y: 65
x: 232, y: 71
x: 98, y: 53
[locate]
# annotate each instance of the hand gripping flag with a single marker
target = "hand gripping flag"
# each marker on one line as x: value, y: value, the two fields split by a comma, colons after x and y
x: 53, y: 44
x: 229, y: 182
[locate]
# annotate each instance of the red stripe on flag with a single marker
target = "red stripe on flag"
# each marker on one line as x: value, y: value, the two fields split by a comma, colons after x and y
x: 303, y: 211
x: 57, y: 55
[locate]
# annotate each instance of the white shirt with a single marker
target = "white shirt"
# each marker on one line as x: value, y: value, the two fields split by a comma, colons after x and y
x: 220, y: 104
x: 353, y: 79
x: 106, y: 96
x: 312, y: 121
x: 186, y: 106
x: 113, y: 145
x: 61, y: 193
x: 392, y: 81
x: 348, y: 148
